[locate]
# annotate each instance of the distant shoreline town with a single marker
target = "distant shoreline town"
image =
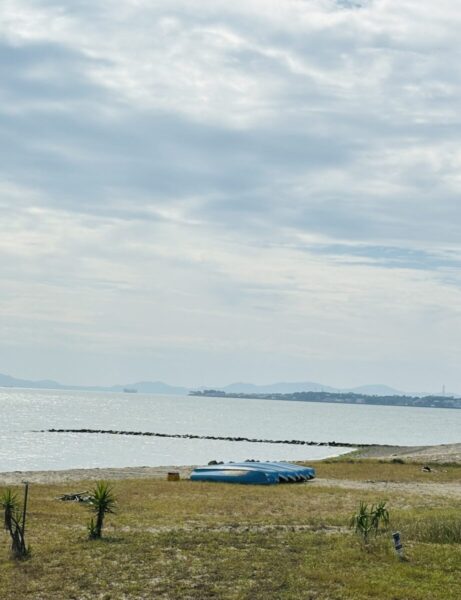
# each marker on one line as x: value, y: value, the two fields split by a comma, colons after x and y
x: 307, y: 391
x: 342, y: 398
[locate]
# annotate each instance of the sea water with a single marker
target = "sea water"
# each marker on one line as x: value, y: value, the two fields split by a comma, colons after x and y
x: 25, y: 412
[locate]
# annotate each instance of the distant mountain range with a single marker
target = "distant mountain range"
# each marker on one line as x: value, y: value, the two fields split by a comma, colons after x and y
x: 8, y: 381
x: 158, y: 387
x: 144, y: 387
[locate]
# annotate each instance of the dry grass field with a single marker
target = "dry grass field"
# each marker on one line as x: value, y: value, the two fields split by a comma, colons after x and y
x: 186, y: 540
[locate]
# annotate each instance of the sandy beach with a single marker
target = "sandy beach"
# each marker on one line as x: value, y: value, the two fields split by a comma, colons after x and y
x: 109, y: 473
x: 445, y: 453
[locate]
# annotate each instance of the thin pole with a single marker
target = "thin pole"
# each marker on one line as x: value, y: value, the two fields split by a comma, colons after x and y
x: 26, y: 493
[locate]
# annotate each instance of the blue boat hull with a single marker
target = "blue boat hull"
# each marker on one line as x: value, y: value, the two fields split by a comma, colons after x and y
x: 248, y: 476
x: 256, y: 473
x: 288, y: 471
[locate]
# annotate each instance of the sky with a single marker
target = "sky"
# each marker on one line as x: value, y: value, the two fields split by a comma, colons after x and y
x: 212, y: 191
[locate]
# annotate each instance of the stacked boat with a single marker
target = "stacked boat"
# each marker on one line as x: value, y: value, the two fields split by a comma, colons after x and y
x: 261, y: 473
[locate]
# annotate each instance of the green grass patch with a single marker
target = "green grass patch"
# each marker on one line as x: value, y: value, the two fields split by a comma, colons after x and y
x: 431, y: 527
x: 198, y: 541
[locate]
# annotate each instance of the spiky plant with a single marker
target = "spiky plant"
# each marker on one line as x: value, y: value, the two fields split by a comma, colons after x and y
x: 367, y: 520
x: 101, y: 502
x: 13, y: 523
x: 380, y: 515
x: 10, y: 505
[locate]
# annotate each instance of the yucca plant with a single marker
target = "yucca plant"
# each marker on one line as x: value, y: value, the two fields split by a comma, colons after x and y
x: 10, y: 506
x: 367, y: 520
x: 101, y: 502
x: 13, y: 522
x: 380, y: 515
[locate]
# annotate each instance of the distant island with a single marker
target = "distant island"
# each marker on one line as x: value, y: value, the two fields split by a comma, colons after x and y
x: 301, y: 391
x: 159, y: 387
x: 342, y: 398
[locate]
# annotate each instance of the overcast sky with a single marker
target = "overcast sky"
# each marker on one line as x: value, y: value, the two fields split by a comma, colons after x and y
x: 211, y: 191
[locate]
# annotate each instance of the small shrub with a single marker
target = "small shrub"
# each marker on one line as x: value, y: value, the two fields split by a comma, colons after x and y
x: 10, y: 505
x: 368, y: 519
x: 101, y: 501
x: 13, y: 523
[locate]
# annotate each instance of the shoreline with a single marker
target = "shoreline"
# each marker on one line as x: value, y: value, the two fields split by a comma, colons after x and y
x: 92, y: 474
x: 443, y: 453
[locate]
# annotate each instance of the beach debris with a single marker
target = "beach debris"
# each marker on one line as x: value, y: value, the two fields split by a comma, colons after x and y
x: 75, y: 497
x: 426, y: 469
x: 173, y: 476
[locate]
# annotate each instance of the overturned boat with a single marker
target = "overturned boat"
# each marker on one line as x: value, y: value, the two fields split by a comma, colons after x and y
x: 260, y: 473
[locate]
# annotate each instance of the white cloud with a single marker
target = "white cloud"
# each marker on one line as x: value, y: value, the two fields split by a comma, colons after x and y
x: 270, y: 180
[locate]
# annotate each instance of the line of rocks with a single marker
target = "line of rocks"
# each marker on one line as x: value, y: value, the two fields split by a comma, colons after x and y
x: 191, y: 436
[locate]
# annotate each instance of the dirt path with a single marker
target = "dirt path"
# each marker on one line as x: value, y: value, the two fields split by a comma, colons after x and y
x: 452, y: 490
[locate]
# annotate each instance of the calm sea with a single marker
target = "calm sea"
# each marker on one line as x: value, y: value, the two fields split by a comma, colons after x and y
x: 23, y: 411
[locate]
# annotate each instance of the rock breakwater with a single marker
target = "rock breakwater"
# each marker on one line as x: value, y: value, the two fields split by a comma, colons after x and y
x: 192, y: 436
